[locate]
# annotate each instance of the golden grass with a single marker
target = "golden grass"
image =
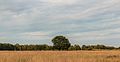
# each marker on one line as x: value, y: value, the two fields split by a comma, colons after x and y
x: 60, y: 56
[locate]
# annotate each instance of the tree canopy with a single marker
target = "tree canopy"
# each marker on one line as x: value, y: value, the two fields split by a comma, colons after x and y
x: 61, y: 43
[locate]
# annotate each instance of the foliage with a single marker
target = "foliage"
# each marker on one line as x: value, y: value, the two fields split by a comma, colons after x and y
x: 74, y: 47
x: 17, y: 47
x: 61, y: 43
x: 6, y: 46
x: 93, y: 47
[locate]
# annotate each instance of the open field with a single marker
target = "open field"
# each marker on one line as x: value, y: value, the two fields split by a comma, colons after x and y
x: 60, y: 56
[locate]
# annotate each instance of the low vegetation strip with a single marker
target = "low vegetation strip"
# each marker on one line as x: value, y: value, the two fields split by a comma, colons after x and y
x: 59, y: 43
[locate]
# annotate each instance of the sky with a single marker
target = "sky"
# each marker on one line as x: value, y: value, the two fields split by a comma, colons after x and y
x: 81, y: 21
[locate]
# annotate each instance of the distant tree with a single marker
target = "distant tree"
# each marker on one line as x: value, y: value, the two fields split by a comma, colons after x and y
x: 77, y: 47
x: 6, y: 46
x: 74, y: 47
x: 17, y: 47
x: 110, y: 47
x: 100, y: 46
x: 84, y: 47
x: 71, y: 48
x: 97, y: 47
x: 61, y: 43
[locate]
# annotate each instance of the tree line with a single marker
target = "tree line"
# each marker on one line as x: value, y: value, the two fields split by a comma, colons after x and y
x: 59, y: 43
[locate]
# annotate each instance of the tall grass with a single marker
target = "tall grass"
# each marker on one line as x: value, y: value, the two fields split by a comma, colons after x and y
x: 60, y: 56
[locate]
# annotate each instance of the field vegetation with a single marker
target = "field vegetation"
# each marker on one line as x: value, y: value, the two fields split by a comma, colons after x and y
x: 60, y: 56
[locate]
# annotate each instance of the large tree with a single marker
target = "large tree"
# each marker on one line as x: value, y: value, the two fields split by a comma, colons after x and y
x: 61, y: 43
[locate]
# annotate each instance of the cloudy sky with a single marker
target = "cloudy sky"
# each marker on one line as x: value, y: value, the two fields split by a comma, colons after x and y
x: 38, y: 21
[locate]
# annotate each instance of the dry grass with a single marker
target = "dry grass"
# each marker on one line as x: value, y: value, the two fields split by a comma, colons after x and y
x: 60, y: 56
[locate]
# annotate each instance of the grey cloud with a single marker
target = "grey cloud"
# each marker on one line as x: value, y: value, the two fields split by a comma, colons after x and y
x: 59, y: 17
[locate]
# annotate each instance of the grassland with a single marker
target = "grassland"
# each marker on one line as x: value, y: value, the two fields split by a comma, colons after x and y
x: 59, y: 56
